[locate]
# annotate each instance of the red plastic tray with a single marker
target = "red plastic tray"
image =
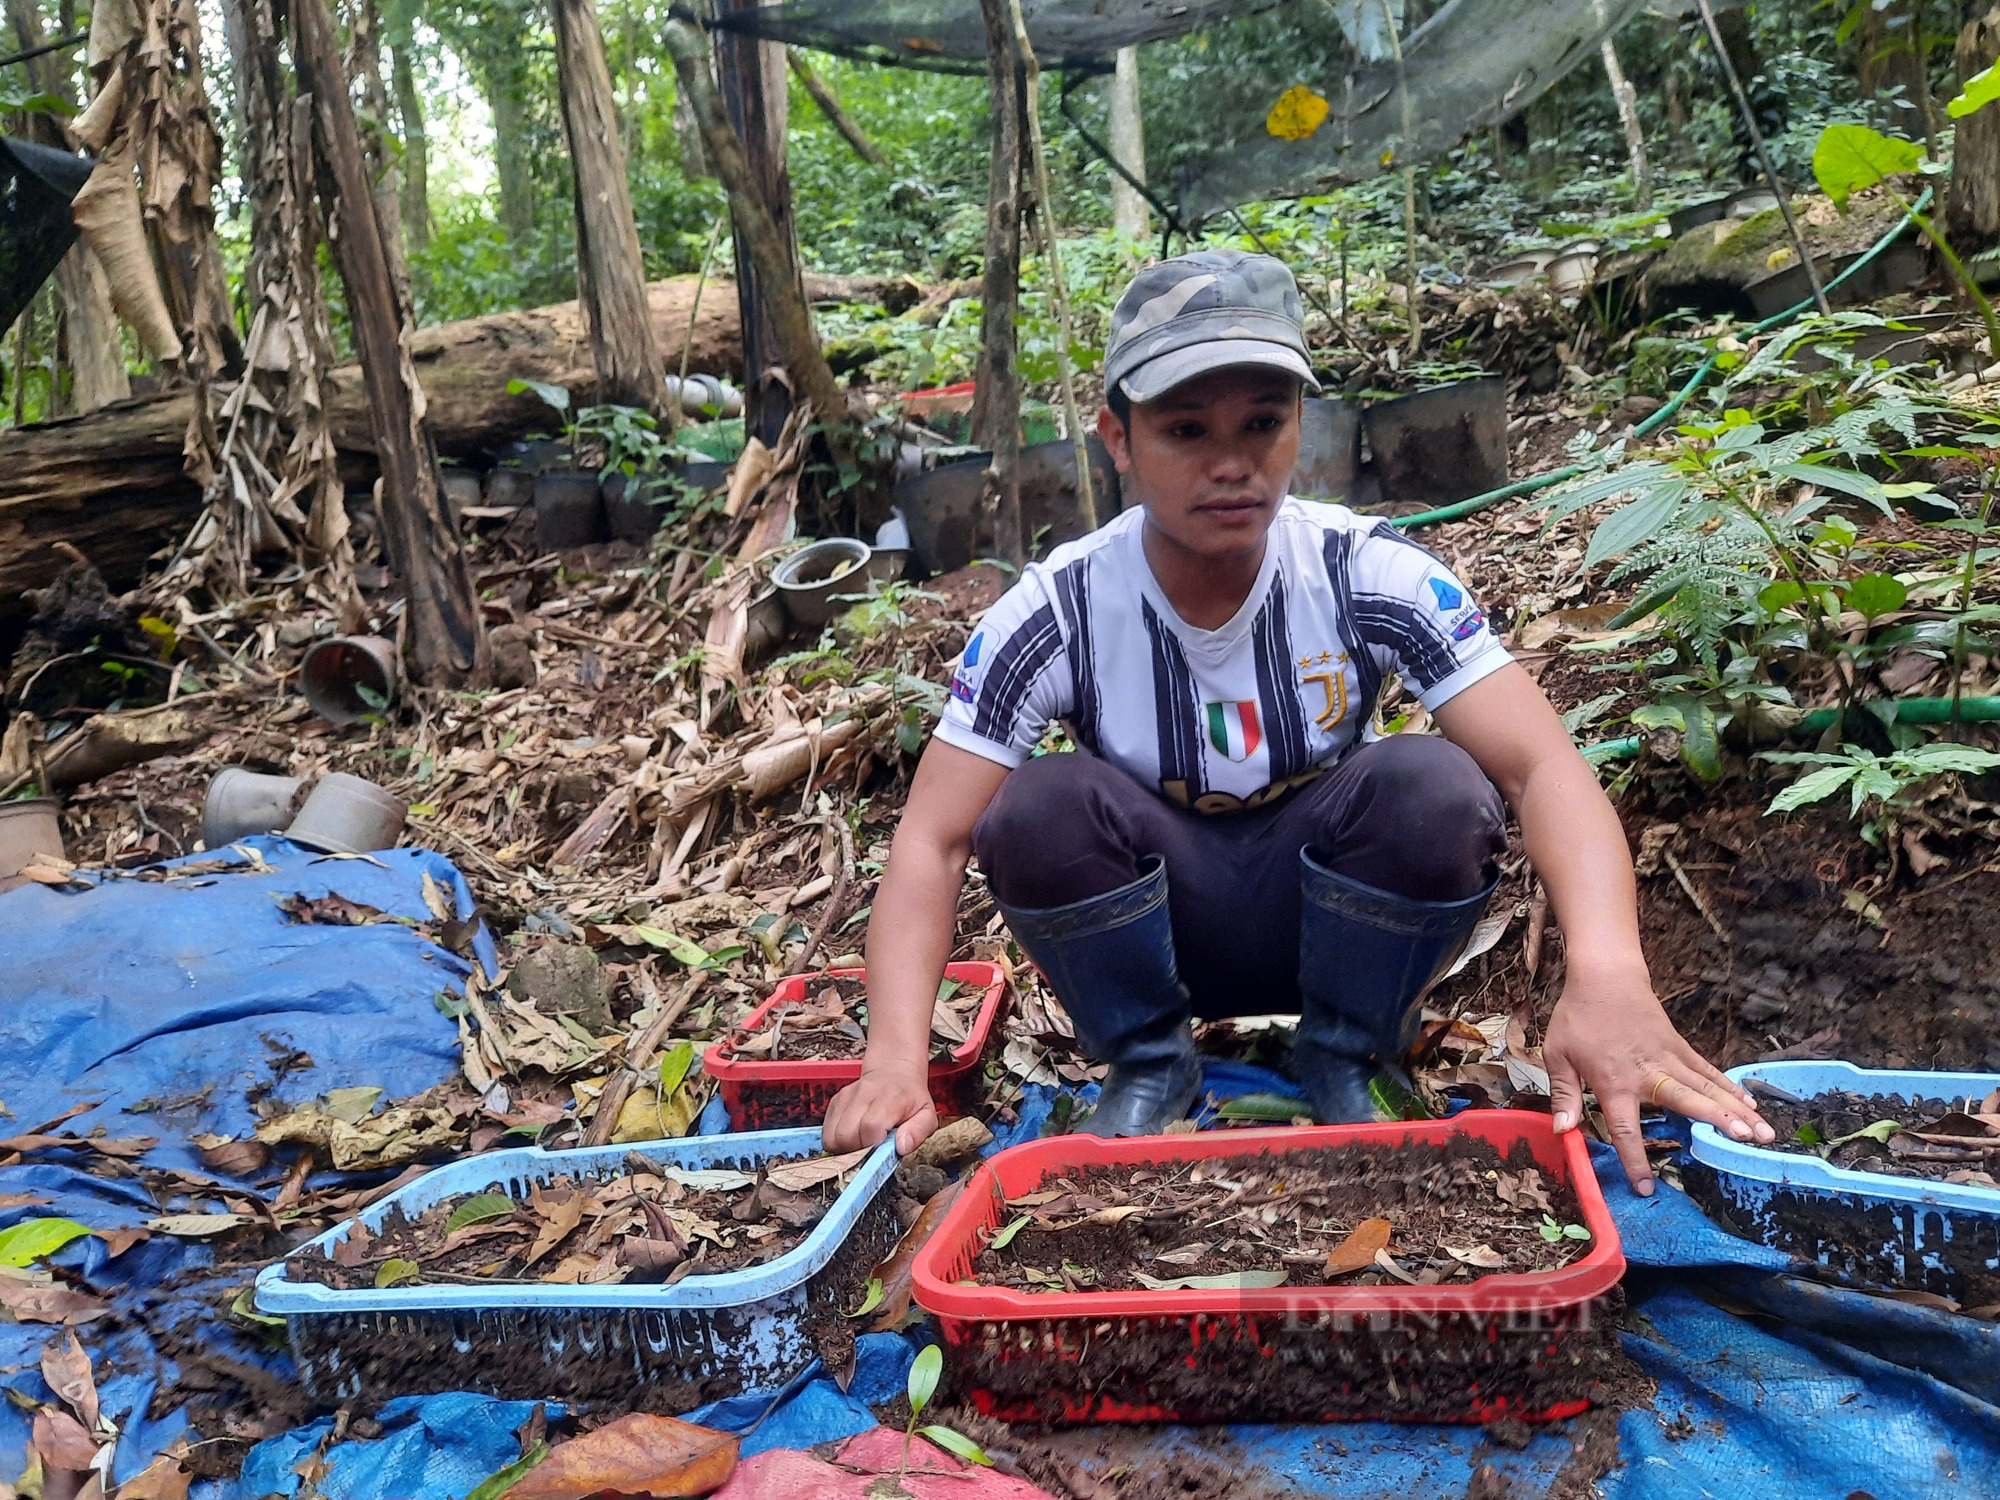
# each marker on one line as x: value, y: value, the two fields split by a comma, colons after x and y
x: 1083, y: 1357
x: 764, y: 1095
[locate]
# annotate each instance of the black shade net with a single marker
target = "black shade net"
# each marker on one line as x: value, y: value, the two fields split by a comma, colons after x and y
x: 950, y: 35
x: 1270, y: 100
x: 37, y: 184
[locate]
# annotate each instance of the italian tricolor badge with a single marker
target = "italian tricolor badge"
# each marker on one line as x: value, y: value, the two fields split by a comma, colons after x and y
x: 1232, y: 728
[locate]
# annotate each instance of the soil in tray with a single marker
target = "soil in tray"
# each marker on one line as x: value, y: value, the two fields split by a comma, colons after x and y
x: 1347, y: 1216
x: 830, y: 1023
x: 652, y: 1223
x: 1939, y: 1139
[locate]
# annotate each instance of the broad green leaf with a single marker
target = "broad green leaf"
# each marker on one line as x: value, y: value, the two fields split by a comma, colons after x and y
x: 1575, y: 1232
x: 1879, y: 1132
x: 1625, y: 480
x: 1876, y: 594
x: 1659, y: 716
x: 1280, y: 1109
x: 496, y: 1485
x: 870, y: 1302
x: 1980, y: 90
x: 1873, y: 780
x: 684, y: 949
x: 1005, y: 1237
x: 1808, y: 1135
x: 396, y: 1271
x: 1780, y: 595
x: 1636, y: 522
x: 674, y: 1065
x: 1935, y: 759
x: 1845, y: 480
x: 957, y: 1444
x: 924, y: 1372
x: 1701, y: 744
x: 245, y: 1307
x: 477, y: 1209
x: 34, y: 1238
x: 1851, y: 157
x: 551, y: 395
x: 1816, y: 786
x: 1233, y: 1281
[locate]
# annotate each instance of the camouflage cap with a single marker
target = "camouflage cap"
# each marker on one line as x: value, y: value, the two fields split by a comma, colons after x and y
x: 1206, y: 311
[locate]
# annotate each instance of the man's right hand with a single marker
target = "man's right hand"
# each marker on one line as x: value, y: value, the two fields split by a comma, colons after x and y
x: 881, y: 1101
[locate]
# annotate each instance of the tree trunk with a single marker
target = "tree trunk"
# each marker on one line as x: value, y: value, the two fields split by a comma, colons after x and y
x: 829, y: 105
x: 416, y: 150
x: 364, y: 64
x: 996, y: 409
x: 751, y: 76
x: 1128, y: 145
x: 446, y: 634
x: 513, y: 164
x: 1627, y: 98
x: 1972, y: 208
x: 610, y: 272
x: 96, y: 352
x: 1891, y: 47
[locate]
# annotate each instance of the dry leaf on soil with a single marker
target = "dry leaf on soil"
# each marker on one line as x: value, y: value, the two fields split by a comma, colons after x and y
x: 635, y: 1455
x: 1359, y: 1249
x: 895, y: 1272
x: 795, y: 1176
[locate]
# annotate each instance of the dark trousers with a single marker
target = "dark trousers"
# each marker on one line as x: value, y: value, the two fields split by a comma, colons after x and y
x: 1411, y: 815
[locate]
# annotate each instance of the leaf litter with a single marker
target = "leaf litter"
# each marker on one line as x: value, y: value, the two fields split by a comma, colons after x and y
x: 1937, y: 1139
x: 831, y: 1023
x: 648, y: 1223
x: 1345, y: 1215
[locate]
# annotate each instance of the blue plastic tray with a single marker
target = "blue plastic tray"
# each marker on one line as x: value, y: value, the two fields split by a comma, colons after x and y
x: 698, y: 1340
x: 1903, y: 1232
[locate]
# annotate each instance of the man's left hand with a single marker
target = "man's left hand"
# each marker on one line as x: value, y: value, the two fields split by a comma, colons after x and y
x: 1611, y: 1032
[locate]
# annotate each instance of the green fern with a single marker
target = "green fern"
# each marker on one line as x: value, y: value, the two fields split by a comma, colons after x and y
x: 1702, y: 573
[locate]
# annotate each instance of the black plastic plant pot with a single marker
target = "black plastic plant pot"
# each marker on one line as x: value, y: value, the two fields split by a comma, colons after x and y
x: 1441, y: 445
x: 569, y: 510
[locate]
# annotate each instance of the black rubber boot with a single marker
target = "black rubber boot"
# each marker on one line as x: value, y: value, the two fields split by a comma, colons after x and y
x: 1110, y: 960
x: 1366, y: 959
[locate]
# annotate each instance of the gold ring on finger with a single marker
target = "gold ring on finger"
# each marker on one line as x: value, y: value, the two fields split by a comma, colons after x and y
x: 1659, y: 1083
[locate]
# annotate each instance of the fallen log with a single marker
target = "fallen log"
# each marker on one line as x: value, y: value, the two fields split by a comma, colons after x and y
x: 110, y: 482
x: 465, y: 366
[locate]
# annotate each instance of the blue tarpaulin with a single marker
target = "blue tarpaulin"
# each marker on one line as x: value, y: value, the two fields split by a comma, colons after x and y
x: 179, y: 997
x: 169, y: 1000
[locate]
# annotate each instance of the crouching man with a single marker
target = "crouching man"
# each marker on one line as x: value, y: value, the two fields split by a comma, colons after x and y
x: 1230, y: 839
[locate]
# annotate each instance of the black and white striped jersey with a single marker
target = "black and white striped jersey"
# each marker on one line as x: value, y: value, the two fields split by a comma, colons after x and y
x: 1225, y: 719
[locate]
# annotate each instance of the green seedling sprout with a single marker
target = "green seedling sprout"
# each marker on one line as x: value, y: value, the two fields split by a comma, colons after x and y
x: 924, y: 1372
x: 1554, y: 1230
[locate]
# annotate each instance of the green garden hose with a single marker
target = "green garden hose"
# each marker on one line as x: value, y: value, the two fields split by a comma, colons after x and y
x: 1908, y: 711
